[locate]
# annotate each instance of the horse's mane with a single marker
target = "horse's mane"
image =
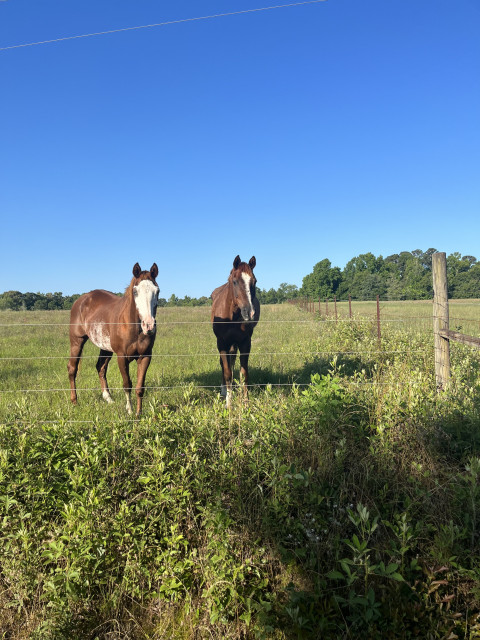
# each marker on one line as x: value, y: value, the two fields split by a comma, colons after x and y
x: 129, y: 290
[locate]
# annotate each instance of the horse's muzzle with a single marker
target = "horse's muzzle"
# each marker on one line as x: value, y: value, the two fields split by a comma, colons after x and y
x: 148, y: 327
x: 248, y: 314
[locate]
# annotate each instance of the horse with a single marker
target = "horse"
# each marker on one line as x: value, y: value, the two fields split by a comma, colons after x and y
x: 235, y: 313
x: 121, y: 324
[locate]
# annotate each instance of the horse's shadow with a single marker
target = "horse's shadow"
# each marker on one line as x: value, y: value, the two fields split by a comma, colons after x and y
x: 261, y: 377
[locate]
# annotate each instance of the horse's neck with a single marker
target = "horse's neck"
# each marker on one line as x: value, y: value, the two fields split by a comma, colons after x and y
x: 129, y: 311
x: 232, y: 306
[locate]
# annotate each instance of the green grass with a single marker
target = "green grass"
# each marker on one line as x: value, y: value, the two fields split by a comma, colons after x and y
x: 343, y: 505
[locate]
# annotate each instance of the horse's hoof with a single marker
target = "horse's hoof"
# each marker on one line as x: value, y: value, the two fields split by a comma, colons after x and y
x: 107, y: 397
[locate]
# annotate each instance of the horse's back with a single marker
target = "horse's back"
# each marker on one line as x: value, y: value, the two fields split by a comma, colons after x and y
x: 219, y: 301
x: 96, y: 303
x: 219, y: 292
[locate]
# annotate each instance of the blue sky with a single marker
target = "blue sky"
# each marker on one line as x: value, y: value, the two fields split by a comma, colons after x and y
x: 317, y: 131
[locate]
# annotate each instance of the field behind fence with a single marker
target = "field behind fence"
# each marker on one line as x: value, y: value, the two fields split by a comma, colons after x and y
x: 290, y: 343
x: 464, y: 314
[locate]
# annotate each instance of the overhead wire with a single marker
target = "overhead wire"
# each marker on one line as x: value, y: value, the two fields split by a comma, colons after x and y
x: 160, y: 24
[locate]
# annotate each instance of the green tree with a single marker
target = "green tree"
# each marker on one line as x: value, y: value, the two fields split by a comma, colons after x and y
x: 467, y: 283
x: 287, y: 292
x: 323, y: 282
x: 12, y: 300
x: 173, y: 301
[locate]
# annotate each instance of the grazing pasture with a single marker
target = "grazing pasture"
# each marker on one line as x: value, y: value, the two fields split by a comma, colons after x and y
x: 341, y: 502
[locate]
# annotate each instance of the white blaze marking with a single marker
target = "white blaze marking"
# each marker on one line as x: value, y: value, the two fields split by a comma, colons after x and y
x: 146, y: 299
x: 246, y: 279
x: 98, y: 334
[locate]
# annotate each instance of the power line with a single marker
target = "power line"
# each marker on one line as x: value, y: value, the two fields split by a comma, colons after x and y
x: 161, y: 24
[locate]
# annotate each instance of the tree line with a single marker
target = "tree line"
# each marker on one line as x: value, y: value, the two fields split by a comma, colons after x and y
x: 401, y: 276
x: 17, y: 301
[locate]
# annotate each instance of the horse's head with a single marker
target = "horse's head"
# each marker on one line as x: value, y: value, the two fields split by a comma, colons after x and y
x: 243, y: 284
x: 145, y: 293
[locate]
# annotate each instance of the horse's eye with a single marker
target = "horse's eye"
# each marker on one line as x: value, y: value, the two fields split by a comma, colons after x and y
x: 135, y: 292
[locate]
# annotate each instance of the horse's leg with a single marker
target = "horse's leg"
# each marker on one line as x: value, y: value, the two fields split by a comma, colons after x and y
x: 223, y: 388
x: 232, y: 356
x: 244, y: 354
x: 123, y: 365
x: 142, y: 366
x: 102, y: 365
x: 76, y: 348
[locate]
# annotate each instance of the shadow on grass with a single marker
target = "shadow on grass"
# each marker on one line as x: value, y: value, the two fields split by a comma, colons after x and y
x: 286, y: 376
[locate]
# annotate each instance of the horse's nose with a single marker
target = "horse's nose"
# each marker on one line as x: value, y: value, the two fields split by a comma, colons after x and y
x: 148, y: 325
x: 247, y: 313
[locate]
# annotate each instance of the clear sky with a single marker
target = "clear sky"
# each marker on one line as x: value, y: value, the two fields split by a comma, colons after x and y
x: 295, y: 134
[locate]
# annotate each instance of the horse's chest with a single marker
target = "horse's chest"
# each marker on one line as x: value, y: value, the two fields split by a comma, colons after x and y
x: 143, y: 345
x: 233, y: 333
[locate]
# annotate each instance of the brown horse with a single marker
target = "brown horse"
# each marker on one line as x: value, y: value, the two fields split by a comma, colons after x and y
x: 235, y: 313
x: 124, y: 325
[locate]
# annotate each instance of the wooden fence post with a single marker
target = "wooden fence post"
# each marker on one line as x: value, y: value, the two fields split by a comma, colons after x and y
x: 440, y: 319
x: 350, y: 306
x: 335, y: 303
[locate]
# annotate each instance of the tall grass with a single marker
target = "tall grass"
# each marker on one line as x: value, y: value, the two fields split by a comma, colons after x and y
x: 344, y: 504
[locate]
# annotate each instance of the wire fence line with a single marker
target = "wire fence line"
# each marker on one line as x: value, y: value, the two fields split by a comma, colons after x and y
x: 169, y: 322
x: 187, y: 385
x: 216, y: 354
x: 162, y: 323
x: 315, y: 318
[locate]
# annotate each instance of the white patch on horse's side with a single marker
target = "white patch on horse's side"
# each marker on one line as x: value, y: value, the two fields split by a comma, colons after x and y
x: 146, y: 299
x: 107, y: 397
x: 246, y: 278
x: 98, y: 334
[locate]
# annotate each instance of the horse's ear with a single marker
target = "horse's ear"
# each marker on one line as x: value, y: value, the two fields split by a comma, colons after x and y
x: 236, y: 262
x: 252, y: 262
x: 154, y: 270
x: 136, y: 270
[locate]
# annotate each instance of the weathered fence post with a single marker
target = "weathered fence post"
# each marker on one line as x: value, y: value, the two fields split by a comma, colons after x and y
x: 335, y: 303
x: 319, y: 307
x: 350, y: 306
x: 440, y: 319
